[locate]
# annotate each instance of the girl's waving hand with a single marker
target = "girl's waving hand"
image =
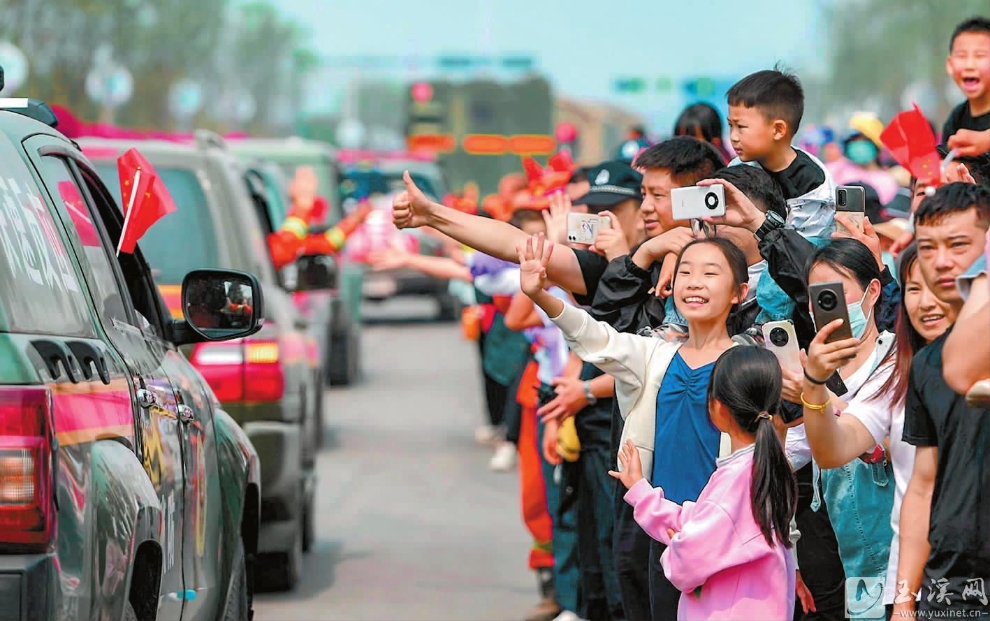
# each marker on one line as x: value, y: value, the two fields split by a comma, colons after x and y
x: 632, y: 468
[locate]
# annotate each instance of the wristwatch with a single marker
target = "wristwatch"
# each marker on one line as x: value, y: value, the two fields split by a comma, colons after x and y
x: 772, y: 223
x: 588, y: 395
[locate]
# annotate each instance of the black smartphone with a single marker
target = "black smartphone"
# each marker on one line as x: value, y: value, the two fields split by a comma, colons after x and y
x: 850, y: 200
x: 828, y: 303
x: 790, y: 412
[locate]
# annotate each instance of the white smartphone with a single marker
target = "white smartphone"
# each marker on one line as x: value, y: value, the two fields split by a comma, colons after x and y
x: 779, y: 337
x: 695, y: 203
x: 582, y: 228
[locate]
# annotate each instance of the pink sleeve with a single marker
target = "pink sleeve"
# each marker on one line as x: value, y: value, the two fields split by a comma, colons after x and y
x: 707, y: 544
x: 654, y: 513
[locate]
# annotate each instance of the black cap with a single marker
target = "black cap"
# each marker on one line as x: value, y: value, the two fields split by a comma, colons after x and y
x: 611, y: 183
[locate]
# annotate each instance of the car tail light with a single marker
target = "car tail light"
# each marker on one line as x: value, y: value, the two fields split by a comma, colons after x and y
x: 242, y: 372
x: 264, y: 380
x: 27, y: 509
x: 262, y: 353
x: 222, y: 366
x: 213, y: 354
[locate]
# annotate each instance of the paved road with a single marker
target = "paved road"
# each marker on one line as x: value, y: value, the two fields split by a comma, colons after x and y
x: 411, y: 523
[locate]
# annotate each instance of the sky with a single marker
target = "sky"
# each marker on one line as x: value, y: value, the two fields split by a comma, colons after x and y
x: 581, y: 45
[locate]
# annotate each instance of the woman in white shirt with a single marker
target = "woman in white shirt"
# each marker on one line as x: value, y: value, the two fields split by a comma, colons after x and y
x: 875, y: 415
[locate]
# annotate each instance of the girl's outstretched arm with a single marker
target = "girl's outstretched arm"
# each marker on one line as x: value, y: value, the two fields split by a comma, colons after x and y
x: 625, y: 357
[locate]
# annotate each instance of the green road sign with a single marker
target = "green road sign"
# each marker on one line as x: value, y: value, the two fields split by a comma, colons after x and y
x: 630, y: 85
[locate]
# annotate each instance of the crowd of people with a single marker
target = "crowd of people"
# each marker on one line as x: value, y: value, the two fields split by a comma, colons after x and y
x: 672, y: 464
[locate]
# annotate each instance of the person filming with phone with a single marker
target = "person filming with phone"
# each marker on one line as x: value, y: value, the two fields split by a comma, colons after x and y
x: 839, y: 439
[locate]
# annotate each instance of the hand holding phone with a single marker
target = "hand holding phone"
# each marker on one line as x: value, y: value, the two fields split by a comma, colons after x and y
x: 781, y: 339
x: 697, y: 202
x: 582, y: 228
x: 828, y: 303
x: 850, y: 200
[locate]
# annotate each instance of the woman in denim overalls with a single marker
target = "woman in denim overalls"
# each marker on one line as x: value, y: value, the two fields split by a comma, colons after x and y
x: 921, y: 319
x: 859, y: 492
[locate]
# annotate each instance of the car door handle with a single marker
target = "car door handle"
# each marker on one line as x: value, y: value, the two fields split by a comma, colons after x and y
x: 86, y: 354
x: 146, y: 398
x: 55, y: 356
x: 186, y: 413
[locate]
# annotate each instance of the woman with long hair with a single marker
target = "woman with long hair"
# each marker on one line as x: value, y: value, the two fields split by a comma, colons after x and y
x: 850, y: 440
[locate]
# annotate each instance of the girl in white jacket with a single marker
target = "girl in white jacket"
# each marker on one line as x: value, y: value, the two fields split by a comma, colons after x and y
x: 660, y: 386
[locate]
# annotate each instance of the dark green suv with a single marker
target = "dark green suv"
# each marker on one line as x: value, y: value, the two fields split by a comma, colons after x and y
x: 126, y: 492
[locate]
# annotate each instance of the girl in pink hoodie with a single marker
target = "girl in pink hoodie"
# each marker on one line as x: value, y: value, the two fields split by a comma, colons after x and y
x: 728, y: 553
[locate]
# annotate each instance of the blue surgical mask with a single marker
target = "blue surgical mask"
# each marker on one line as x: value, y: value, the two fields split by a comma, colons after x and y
x: 861, y: 152
x: 857, y: 319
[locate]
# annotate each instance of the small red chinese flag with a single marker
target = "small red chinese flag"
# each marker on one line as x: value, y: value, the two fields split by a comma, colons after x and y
x: 910, y: 139
x: 76, y: 207
x: 146, y: 199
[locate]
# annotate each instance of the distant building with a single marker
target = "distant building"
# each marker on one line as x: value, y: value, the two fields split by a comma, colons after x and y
x: 601, y: 128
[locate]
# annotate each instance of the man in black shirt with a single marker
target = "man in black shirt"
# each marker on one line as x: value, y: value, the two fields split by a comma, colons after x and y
x: 945, y: 515
x: 968, y: 126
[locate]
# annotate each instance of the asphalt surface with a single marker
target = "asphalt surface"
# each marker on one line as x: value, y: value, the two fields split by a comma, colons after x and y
x: 411, y: 523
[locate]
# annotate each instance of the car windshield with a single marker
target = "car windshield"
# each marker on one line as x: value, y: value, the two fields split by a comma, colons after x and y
x: 181, y: 241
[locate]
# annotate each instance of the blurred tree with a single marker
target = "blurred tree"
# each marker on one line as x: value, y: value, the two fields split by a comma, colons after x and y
x: 880, y: 48
x: 272, y: 59
x: 203, y: 40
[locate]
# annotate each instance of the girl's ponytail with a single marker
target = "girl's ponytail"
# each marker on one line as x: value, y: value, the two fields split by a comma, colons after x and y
x: 774, y: 492
x: 748, y: 381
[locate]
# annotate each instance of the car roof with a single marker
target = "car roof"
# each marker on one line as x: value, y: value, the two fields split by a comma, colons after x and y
x: 281, y: 148
x: 172, y: 153
x: 18, y: 126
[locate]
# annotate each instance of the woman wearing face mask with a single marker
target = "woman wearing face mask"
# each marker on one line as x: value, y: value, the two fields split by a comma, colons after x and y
x: 877, y: 412
x: 857, y: 492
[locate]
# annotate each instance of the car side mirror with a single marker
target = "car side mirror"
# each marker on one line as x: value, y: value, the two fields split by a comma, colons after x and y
x: 219, y: 305
x: 316, y: 273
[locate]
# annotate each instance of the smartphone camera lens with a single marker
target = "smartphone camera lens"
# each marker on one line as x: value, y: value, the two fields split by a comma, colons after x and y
x: 778, y: 336
x: 711, y: 200
x: 841, y: 198
x: 827, y: 301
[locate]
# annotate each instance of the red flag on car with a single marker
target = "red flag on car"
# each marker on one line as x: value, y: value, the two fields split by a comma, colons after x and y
x: 146, y: 198
x: 910, y: 139
x: 76, y: 207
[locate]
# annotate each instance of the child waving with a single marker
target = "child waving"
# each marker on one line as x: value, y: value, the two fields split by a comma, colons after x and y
x: 728, y: 553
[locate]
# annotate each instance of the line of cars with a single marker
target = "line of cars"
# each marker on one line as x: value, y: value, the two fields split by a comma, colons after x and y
x: 152, y: 464
x: 127, y: 490
x: 271, y: 383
